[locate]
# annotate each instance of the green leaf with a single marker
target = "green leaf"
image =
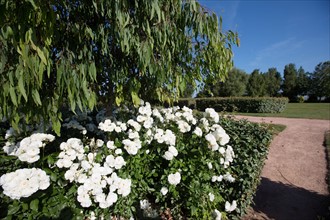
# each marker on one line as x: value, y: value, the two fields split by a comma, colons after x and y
x: 53, y: 177
x: 25, y: 207
x: 34, y: 204
x: 13, y: 209
x: 41, y: 73
x: 21, y: 87
x: 42, y: 56
x: 135, y: 98
x: 50, y: 160
x: 118, y: 100
x: 56, y: 124
x: 92, y: 71
x: 13, y: 95
x: 33, y: 4
x: 36, y: 97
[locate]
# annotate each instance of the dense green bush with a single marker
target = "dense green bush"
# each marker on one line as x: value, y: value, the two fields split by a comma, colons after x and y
x: 238, y: 104
x: 139, y: 163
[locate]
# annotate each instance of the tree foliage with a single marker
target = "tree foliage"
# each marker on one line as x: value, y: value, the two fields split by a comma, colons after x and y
x: 77, y: 52
x: 235, y: 85
x: 320, y: 81
x: 302, y: 82
x: 273, y: 82
x: 256, y: 85
x: 289, y: 84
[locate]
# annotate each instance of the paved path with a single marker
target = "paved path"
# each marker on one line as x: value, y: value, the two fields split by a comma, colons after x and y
x: 293, y: 182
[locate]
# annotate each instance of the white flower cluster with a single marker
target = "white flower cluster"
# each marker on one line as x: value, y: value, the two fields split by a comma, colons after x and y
x: 217, y: 136
x: 184, y: 118
x: 144, y: 116
x: 228, y: 156
x: 98, y: 182
x: 167, y: 137
x: 109, y: 126
x: 212, y: 114
x: 93, y: 189
x: 229, y: 207
x: 170, y: 153
x: 227, y: 177
x: 24, y: 182
x: 70, y: 150
x: 28, y: 149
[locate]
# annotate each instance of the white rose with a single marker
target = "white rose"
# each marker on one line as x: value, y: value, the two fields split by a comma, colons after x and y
x: 230, y: 207
x: 174, y: 179
x: 164, y: 191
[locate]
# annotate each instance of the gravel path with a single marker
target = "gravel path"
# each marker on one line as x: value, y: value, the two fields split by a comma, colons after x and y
x: 293, y: 184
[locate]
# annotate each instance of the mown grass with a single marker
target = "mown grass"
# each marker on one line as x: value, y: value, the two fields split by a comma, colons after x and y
x: 275, y: 129
x: 299, y: 110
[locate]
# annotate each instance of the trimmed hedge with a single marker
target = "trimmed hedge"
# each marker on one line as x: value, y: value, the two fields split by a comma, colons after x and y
x: 251, y: 144
x: 237, y: 104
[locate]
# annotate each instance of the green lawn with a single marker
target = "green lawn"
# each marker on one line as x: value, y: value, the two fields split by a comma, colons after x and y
x: 299, y: 110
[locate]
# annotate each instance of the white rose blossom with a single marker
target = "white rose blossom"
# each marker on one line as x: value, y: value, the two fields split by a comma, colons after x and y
x: 198, y: 132
x: 211, y: 196
x: 28, y: 149
x: 229, y: 207
x: 171, y: 153
x: 24, y: 182
x: 216, y: 214
x: 210, y: 112
x: 174, y: 178
x: 164, y: 191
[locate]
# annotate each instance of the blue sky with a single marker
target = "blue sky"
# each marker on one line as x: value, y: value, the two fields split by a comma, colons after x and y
x: 276, y: 33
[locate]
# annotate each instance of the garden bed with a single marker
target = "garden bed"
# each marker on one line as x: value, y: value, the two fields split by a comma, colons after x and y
x: 139, y: 163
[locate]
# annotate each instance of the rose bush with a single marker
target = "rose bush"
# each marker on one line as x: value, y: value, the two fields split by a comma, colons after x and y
x: 140, y: 162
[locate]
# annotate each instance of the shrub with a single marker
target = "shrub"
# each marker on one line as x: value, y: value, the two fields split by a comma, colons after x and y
x: 239, y: 104
x: 139, y: 163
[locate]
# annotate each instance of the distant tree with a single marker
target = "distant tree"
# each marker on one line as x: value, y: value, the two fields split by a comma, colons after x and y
x: 273, y: 82
x: 256, y: 84
x: 235, y: 85
x: 320, y: 81
x: 290, y: 80
x: 302, y: 83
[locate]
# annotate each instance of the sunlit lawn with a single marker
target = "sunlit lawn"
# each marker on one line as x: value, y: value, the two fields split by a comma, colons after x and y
x: 299, y: 110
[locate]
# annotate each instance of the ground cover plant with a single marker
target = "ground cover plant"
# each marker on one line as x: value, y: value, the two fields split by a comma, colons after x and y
x: 240, y: 104
x: 327, y: 150
x: 299, y: 110
x: 141, y: 163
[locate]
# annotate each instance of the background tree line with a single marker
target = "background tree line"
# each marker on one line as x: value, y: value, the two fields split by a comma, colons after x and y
x: 294, y: 84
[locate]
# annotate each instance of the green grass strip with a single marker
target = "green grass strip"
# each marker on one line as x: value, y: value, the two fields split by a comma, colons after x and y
x: 299, y: 110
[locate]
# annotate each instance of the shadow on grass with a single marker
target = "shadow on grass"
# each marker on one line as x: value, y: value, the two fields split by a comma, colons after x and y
x: 287, y: 202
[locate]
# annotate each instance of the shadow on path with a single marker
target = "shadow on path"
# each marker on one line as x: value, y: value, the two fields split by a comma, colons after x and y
x: 287, y: 202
